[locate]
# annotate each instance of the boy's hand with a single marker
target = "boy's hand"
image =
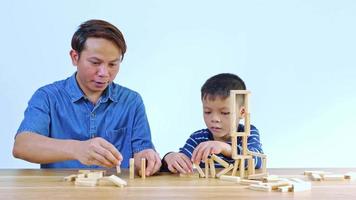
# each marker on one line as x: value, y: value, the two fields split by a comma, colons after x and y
x: 204, y: 149
x: 98, y: 151
x: 153, y: 161
x: 178, y: 162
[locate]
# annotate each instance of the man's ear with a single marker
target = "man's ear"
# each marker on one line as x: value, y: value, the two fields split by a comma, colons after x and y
x: 74, y: 56
x: 242, y: 112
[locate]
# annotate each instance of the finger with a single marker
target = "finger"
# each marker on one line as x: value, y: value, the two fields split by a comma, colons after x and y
x: 206, y: 153
x: 172, y: 169
x: 179, y: 168
x: 115, y: 156
x: 199, y: 153
x: 186, y: 166
x: 187, y: 162
x: 107, y: 155
x: 150, y: 165
x: 100, y: 160
x: 158, y: 163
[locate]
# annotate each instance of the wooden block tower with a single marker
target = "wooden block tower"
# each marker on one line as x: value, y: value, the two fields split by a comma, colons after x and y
x: 245, y: 155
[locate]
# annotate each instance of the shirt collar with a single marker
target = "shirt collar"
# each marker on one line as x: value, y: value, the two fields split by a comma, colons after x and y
x: 76, y: 93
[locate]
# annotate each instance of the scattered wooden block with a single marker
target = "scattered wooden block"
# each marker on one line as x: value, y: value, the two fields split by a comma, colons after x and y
x: 220, y: 161
x: 189, y: 175
x: 249, y: 182
x: 321, y: 173
x: 85, y: 183
x: 105, y: 181
x: 94, y: 175
x: 334, y: 177
x: 257, y: 176
x: 350, y: 176
x: 284, y: 188
x: 260, y: 187
x: 200, y: 171
x: 118, y: 181
x: 83, y: 171
x: 299, y: 185
x: 70, y: 178
x: 143, y: 168
x: 234, y: 170
x: 270, y: 178
x: 315, y: 177
x: 235, y: 179
x: 224, y: 171
x: 212, y: 168
x: 87, y: 179
x: 276, y: 185
x: 132, y: 168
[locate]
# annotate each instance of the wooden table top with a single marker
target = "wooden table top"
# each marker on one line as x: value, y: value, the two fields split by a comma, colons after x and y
x: 48, y: 184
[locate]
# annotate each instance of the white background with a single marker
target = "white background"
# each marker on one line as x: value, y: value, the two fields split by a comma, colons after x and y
x: 297, y: 58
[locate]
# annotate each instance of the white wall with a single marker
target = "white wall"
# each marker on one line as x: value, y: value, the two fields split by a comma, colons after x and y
x: 297, y: 58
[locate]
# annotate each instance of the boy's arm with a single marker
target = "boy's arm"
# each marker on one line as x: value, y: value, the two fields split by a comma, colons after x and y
x: 254, y: 144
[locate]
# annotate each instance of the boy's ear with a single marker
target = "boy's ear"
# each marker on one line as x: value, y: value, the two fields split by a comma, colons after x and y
x: 242, y: 112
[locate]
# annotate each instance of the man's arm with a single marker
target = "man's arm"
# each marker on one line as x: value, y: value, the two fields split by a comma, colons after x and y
x: 41, y: 149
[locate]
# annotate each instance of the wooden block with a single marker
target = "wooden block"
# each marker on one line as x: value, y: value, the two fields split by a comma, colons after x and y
x: 143, y: 168
x: 118, y: 169
x: 81, y: 175
x: 321, y: 173
x: 333, y: 177
x: 94, y: 175
x: 256, y: 154
x: 251, y: 166
x: 83, y: 171
x: 118, y: 181
x: 257, y: 176
x: 350, y: 176
x: 200, y: 171
x: 315, y: 177
x: 220, y: 161
x: 260, y: 187
x: 242, y: 168
x: 264, y: 165
x: 87, y: 179
x: 234, y: 170
x: 249, y: 182
x: 235, y: 179
x: 206, y: 168
x: 276, y: 185
x: 233, y: 146
x: 132, y: 168
x: 224, y: 171
x: 189, y: 175
x: 299, y: 185
x: 105, y: 181
x: 85, y: 183
x: 270, y: 178
x: 284, y: 188
x: 212, y: 168
x: 70, y: 178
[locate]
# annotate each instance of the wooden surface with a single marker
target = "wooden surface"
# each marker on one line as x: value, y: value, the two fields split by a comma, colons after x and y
x: 48, y: 184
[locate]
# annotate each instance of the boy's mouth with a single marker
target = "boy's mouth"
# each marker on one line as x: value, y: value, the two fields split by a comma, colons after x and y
x: 213, y: 128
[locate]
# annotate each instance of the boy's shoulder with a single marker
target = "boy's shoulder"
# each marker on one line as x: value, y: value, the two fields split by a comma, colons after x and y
x: 202, y: 133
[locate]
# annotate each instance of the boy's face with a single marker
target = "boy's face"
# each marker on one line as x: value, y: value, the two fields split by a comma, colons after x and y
x: 97, y: 65
x: 217, y: 117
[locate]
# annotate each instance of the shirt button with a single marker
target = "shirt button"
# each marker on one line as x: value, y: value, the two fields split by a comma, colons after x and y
x: 93, y: 114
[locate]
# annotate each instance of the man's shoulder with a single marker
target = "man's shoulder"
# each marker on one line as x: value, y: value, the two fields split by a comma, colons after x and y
x: 123, y: 93
x: 54, y: 88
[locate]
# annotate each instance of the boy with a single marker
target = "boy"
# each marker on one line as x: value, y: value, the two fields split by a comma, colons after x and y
x: 216, y: 138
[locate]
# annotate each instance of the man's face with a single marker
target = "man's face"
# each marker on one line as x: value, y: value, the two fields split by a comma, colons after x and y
x: 217, y: 115
x: 97, y: 65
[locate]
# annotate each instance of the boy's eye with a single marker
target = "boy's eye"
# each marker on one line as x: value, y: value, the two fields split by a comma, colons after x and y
x: 225, y: 113
x: 207, y: 112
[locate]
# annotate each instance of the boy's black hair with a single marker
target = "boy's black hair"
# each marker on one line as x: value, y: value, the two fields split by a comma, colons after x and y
x: 220, y: 86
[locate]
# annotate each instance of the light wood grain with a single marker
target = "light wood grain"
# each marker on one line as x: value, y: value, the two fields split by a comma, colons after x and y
x: 48, y: 184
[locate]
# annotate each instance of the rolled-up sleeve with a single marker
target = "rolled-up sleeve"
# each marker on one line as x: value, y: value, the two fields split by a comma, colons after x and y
x: 141, y: 133
x: 37, y: 115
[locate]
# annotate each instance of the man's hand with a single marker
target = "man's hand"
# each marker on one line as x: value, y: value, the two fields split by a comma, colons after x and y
x: 98, y: 151
x: 152, y: 158
x: 204, y: 149
x: 178, y: 162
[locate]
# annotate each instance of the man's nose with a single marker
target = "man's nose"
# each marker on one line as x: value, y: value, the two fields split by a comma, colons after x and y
x: 103, y: 71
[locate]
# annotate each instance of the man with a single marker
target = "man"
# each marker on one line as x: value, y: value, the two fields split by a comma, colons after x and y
x: 86, y: 120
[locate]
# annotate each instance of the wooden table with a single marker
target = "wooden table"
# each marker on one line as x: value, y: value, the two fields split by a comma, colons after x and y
x: 48, y: 184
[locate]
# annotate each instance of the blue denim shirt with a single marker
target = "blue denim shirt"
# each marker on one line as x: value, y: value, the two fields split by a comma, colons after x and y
x: 61, y: 110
